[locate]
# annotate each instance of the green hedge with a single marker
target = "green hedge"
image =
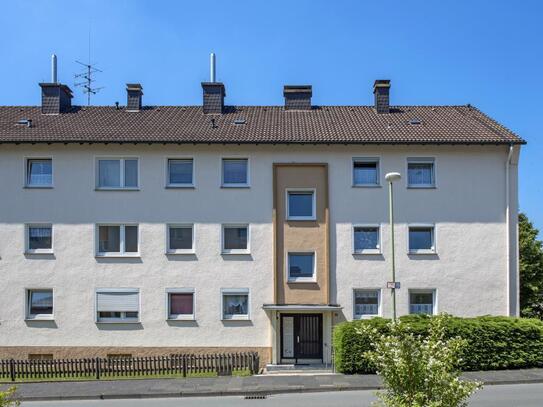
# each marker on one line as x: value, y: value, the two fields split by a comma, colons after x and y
x: 493, y: 342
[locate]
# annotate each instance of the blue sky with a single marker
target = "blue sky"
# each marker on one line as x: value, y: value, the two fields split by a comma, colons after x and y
x: 487, y: 53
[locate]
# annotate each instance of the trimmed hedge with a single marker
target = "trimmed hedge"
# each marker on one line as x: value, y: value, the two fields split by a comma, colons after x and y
x: 493, y: 342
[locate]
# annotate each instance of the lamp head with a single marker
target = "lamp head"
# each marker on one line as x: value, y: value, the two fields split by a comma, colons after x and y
x: 393, y: 176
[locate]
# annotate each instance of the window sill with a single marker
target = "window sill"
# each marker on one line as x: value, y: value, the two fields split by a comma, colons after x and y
x: 180, y: 253
x: 367, y: 186
x: 182, y: 318
x: 38, y: 253
x: 118, y: 322
x: 229, y: 186
x: 234, y: 252
x: 421, y: 187
x: 421, y: 252
x: 117, y: 189
x: 38, y: 187
x: 303, y: 281
x: 367, y: 252
x: 118, y: 255
x: 238, y: 318
x: 45, y: 318
x: 362, y: 317
x: 301, y: 219
x: 187, y: 186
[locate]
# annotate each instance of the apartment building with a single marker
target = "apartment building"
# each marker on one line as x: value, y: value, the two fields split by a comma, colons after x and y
x: 163, y: 229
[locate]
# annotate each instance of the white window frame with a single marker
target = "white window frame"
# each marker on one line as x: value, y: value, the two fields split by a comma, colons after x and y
x: 180, y: 317
x: 192, y: 184
x: 421, y: 160
x: 432, y: 226
x: 228, y: 185
x: 38, y: 317
x: 123, y: 319
x: 313, y: 191
x: 26, y: 173
x: 179, y: 251
x: 379, y: 303
x: 121, y: 159
x: 313, y: 278
x: 432, y: 291
x: 122, y: 253
x: 236, y: 251
x: 27, y: 238
x: 236, y: 291
x: 377, y: 226
x: 377, y: 161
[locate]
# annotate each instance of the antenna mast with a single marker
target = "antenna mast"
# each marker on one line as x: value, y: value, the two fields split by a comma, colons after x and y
x: 86, y: 76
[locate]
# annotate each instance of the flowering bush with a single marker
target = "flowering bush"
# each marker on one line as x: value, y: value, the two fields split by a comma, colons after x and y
x: 7, y: 398
x: 419, y: 371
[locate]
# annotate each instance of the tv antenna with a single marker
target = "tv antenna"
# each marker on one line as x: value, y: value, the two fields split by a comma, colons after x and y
x: 87, y: 80
x: 86, y: 77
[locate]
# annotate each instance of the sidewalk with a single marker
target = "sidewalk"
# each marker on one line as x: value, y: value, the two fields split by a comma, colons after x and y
x: 220, y: 386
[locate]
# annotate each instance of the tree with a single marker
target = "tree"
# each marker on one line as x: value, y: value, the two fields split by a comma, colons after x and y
x: 419, y: 372
x: 531, y: 269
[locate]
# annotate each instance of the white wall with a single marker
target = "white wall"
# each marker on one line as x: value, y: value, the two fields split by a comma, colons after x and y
x: 468, y: 208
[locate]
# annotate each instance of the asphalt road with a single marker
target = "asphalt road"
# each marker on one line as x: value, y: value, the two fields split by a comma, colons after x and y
x: 525, y: 395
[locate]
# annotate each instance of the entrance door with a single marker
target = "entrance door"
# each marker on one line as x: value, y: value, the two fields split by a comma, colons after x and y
x: 301, y: 336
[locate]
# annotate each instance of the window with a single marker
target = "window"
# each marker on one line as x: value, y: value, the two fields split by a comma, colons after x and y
x: 39, y: 239
x: 180, y: 239
x: 366, y: 303
x: 117, y: 173
x: 301, y: 267
x: 235, y: 303
x: 180, y: 303
x: 39, y: 172
x: 420, y: 173
x: 301, y: 205
x: 235, y: 239
x: 180, y: 172
x: 366, y: 172
x: 421, y: 240
x: 117, y: 240
x: 117, y: 305
x: 366, y: 239
x: 235, y: 172
x: 39, y: 304
x: 422, y: 302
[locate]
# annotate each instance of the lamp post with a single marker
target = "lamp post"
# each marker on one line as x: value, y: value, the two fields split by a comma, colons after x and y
x: 390, y: 178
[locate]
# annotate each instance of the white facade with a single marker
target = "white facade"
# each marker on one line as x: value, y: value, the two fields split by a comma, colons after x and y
x: 473, y: 271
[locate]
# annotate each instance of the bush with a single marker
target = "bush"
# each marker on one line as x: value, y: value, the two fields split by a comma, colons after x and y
x: 492, y: 343
x: 7, y: 398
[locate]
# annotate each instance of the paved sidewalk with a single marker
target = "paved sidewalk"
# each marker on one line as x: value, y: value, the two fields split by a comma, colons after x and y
x: 254, y: 385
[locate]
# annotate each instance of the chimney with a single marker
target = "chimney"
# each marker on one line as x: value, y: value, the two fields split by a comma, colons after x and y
x: 55, y: 97
x: 381, y: 91
x: 133, y: 97
x: 214, y: 92
x: 297, y: 97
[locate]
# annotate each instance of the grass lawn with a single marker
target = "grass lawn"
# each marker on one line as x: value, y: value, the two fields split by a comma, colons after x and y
x: 239, y: 373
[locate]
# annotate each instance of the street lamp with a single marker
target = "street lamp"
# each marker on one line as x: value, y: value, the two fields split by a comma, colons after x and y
x: 392, y: 177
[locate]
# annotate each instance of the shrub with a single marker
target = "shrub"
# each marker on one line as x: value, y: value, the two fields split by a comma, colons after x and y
x: 7, y: 398
x: 415, y: 372
x: 492, y: 343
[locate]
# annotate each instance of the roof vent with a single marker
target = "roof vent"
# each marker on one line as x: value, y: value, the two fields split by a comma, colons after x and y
x: 240, y: 121
x: 415, y: 122
x: 297, y: 97
x: 24, y: 122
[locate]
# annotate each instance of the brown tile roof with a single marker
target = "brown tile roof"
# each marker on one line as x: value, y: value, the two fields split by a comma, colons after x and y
x: 263, y: 124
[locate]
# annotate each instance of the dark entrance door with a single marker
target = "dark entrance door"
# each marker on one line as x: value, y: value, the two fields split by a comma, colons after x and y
x: 306, y: 340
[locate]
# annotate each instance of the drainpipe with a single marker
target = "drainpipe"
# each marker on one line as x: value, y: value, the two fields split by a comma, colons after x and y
x: 508, y: 227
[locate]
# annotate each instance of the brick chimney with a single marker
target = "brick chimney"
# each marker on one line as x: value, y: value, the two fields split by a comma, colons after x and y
x: 381, y: 91
x: 214, y: 93
x: 297, y: 97
x: 56, y: 98
x: 134, y: 93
